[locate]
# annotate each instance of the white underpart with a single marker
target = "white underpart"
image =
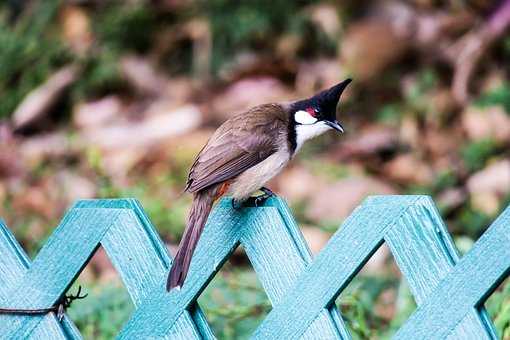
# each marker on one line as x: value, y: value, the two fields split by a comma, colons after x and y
x: 303, y: 117
x: 306, y: 132
x: 257, y: 176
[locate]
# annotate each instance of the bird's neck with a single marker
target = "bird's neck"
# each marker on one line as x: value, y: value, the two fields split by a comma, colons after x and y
x: 298, y: 134
x: 292, y: 136
x: 307, y: 132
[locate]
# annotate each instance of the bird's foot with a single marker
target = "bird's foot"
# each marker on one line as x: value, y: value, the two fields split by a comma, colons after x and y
x: 267, y: 192
x: 253, y: 201
x: 236, y: 205
x: 257, y: 201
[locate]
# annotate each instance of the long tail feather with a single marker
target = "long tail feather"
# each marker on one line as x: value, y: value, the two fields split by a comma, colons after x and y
x: 200, y: 209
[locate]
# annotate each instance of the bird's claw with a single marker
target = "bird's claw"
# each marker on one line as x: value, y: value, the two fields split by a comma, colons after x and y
x: 267, y: 192
x: 236, y: 205
x: 259, y: 200
x: 253, y: 201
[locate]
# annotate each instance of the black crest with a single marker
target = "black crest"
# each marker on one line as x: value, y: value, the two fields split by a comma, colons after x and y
x: 325, y: 101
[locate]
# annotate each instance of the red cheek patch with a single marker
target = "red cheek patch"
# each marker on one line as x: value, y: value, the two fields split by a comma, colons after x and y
x: 311, y: 111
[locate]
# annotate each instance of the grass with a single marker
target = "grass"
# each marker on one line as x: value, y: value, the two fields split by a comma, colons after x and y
x: 476, y: 154
x: 103, y: 312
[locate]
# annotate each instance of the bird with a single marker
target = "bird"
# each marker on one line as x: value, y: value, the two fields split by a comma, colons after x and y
x: 243, y: 154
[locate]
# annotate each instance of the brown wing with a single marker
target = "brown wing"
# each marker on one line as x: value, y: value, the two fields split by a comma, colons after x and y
x: 240, y: 143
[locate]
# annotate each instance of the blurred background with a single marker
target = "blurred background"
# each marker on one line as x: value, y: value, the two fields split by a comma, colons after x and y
x: 115, y: 98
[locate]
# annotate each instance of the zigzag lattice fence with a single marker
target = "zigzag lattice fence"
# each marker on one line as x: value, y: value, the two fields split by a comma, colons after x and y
x: 449, y: 290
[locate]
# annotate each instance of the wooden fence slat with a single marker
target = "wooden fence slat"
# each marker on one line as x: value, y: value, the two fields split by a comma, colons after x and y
x: 227, y: 228
x: 14, y: 263
x: 216, y: 244
x: 141, y: 258
x: 270, y: 238
x: 465, y: 287
x: 345, y: 254
x: 55, y: 267
x: 348, y: 250
x: 69, y: 249
x: 425, y: 253
x: 301, y: 291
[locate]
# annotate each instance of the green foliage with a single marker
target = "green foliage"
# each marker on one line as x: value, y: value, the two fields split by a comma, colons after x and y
x: 463, y: 244
x: 427, y: 80
x: 416, y: 99
x: 444, y: 180
x: 124, y: 27
x: 506, y: 46
x: 472, y: 222
x: 497, y: 96
x: 416, y: 189
x: 118, y: 28
x: 405, y: 306
x: 234, y: 304
x: 477, y: 153
x: 255, y: 25
x: 29, y: 53
x: 31, y: 50
x: 103, y: 312
x: 390, y: 114
x: 329, y: 170
x: 498, y: 306
x: 100, y: 75
x: 358, y: 305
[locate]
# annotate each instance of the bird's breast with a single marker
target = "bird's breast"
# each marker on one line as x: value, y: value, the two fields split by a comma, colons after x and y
x: 257, y: 176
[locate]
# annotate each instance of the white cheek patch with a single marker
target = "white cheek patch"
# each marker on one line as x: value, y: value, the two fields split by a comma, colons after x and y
x: 303, y: 117
x: 306, y: 132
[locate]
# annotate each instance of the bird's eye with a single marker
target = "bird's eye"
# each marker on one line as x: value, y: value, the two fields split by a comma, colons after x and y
x: 316, y: 110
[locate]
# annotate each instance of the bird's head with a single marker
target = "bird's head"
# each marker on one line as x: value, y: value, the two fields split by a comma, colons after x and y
x: 316, y: 115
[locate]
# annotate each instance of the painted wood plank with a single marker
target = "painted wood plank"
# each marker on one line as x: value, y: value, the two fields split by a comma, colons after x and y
x: 302, y: 292
x: 218, y: 241
x: 141, y: 258
x: 135, y: 249
x: 465, y: 287
x: 294, y: 253
x: 425, y: 254
x: 348, y: 250
x: 55, y: 267
x: 13, y: 265
x: 278, y: 253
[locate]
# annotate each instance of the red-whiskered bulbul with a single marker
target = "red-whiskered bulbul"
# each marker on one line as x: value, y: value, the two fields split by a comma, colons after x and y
x: 244, y: 153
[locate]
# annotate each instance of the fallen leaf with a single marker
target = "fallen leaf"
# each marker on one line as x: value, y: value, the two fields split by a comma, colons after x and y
x: 408, y: 168
x: 336, y: 201
x: 39, y: 101
x: 484, y: 123
x: 315, y: 238
x: 494, y: 178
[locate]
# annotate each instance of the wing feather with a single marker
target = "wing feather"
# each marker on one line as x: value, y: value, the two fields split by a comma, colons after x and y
x: 240, y: 143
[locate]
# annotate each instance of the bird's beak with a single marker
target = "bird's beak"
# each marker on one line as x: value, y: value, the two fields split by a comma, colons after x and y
x: 335, y: 125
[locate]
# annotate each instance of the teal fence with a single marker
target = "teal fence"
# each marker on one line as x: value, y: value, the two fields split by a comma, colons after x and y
x: 449, y: 290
